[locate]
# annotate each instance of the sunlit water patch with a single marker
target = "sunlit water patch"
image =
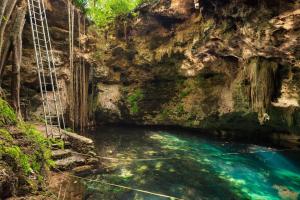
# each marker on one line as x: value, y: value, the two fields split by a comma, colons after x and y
x: 192, y: 168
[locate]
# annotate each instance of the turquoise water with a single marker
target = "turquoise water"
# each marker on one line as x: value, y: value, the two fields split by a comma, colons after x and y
x: 192, y: 168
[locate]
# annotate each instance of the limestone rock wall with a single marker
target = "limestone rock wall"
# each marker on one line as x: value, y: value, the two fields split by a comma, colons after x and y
x: 230, y: 65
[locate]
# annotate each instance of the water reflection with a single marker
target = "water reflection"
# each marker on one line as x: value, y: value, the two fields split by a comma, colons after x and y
x: 197, y: 168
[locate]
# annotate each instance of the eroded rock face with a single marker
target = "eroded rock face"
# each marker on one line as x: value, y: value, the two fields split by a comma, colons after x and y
x: 231, y: 65
x: 7, y: 181
x: 31, y: 102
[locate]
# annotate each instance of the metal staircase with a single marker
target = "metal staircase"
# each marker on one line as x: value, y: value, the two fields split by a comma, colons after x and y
x: 52, y: 106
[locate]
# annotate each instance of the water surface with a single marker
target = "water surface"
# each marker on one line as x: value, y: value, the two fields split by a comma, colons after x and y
x: 190, y: 167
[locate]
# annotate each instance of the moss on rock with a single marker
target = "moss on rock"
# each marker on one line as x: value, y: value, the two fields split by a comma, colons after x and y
x: 25, y: 155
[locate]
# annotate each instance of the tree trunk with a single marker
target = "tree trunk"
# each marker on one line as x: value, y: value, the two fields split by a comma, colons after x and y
x: 2, y: 10
x: 17, y: 56
x: 8, y: 9
x: 11, y: 29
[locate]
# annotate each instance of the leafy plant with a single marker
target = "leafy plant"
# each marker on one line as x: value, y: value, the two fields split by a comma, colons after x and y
x: 82, y: 4
x: 102, y: 12
x: 179, y: 110
x: 134, y: 99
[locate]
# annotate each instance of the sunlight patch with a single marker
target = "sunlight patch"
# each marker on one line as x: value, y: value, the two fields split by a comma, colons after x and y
x: 125, y: 173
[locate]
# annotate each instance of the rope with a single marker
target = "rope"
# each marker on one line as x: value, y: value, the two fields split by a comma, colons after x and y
x: 125, y: 187
x: 176, y: 157
x: 136, y: 159
x: 256, y: 152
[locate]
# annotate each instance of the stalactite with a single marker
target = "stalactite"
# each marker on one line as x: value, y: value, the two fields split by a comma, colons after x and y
x: 262, y: 74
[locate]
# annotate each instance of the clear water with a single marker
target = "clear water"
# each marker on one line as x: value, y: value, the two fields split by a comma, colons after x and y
x: 196, y: 168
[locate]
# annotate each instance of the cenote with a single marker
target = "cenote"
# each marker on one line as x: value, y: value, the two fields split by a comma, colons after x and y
x: 198, y: 84
x: 186, y: 166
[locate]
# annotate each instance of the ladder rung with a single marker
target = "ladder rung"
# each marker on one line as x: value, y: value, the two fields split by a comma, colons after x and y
x: 39, y: 19
x: 51, y: 116
x: 38, y: 3
x: 43, y: 46
x: 38, y: 13
x: 44, y: 51
x: 49, y: 99
x: 38, y: 25
x: 54, y: 125
x: 33, y: 6
x: 51, y: 71
x: 50, y: 83
x: 42, y: 39
x: 38, y: 32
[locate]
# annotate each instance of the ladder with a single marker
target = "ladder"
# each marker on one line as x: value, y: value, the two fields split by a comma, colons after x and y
x: 49, y: 88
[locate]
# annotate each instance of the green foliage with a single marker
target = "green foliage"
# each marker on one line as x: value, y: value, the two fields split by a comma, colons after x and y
x: 5, y: 135
x: 7, y: 114
x: 42, y: 144
x: 185, y: 92
x: 82, y: 4
x: 165, y: 114
x: 22, y: 147
x: 39, y: 146
x: 134, y: 99
x: 20, y: 158
x: 58, y: 142
x: 103, y: 12
x: 179, y: 110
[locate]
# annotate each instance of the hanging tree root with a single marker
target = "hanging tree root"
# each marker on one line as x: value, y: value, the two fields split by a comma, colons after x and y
x: 12, y: 15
